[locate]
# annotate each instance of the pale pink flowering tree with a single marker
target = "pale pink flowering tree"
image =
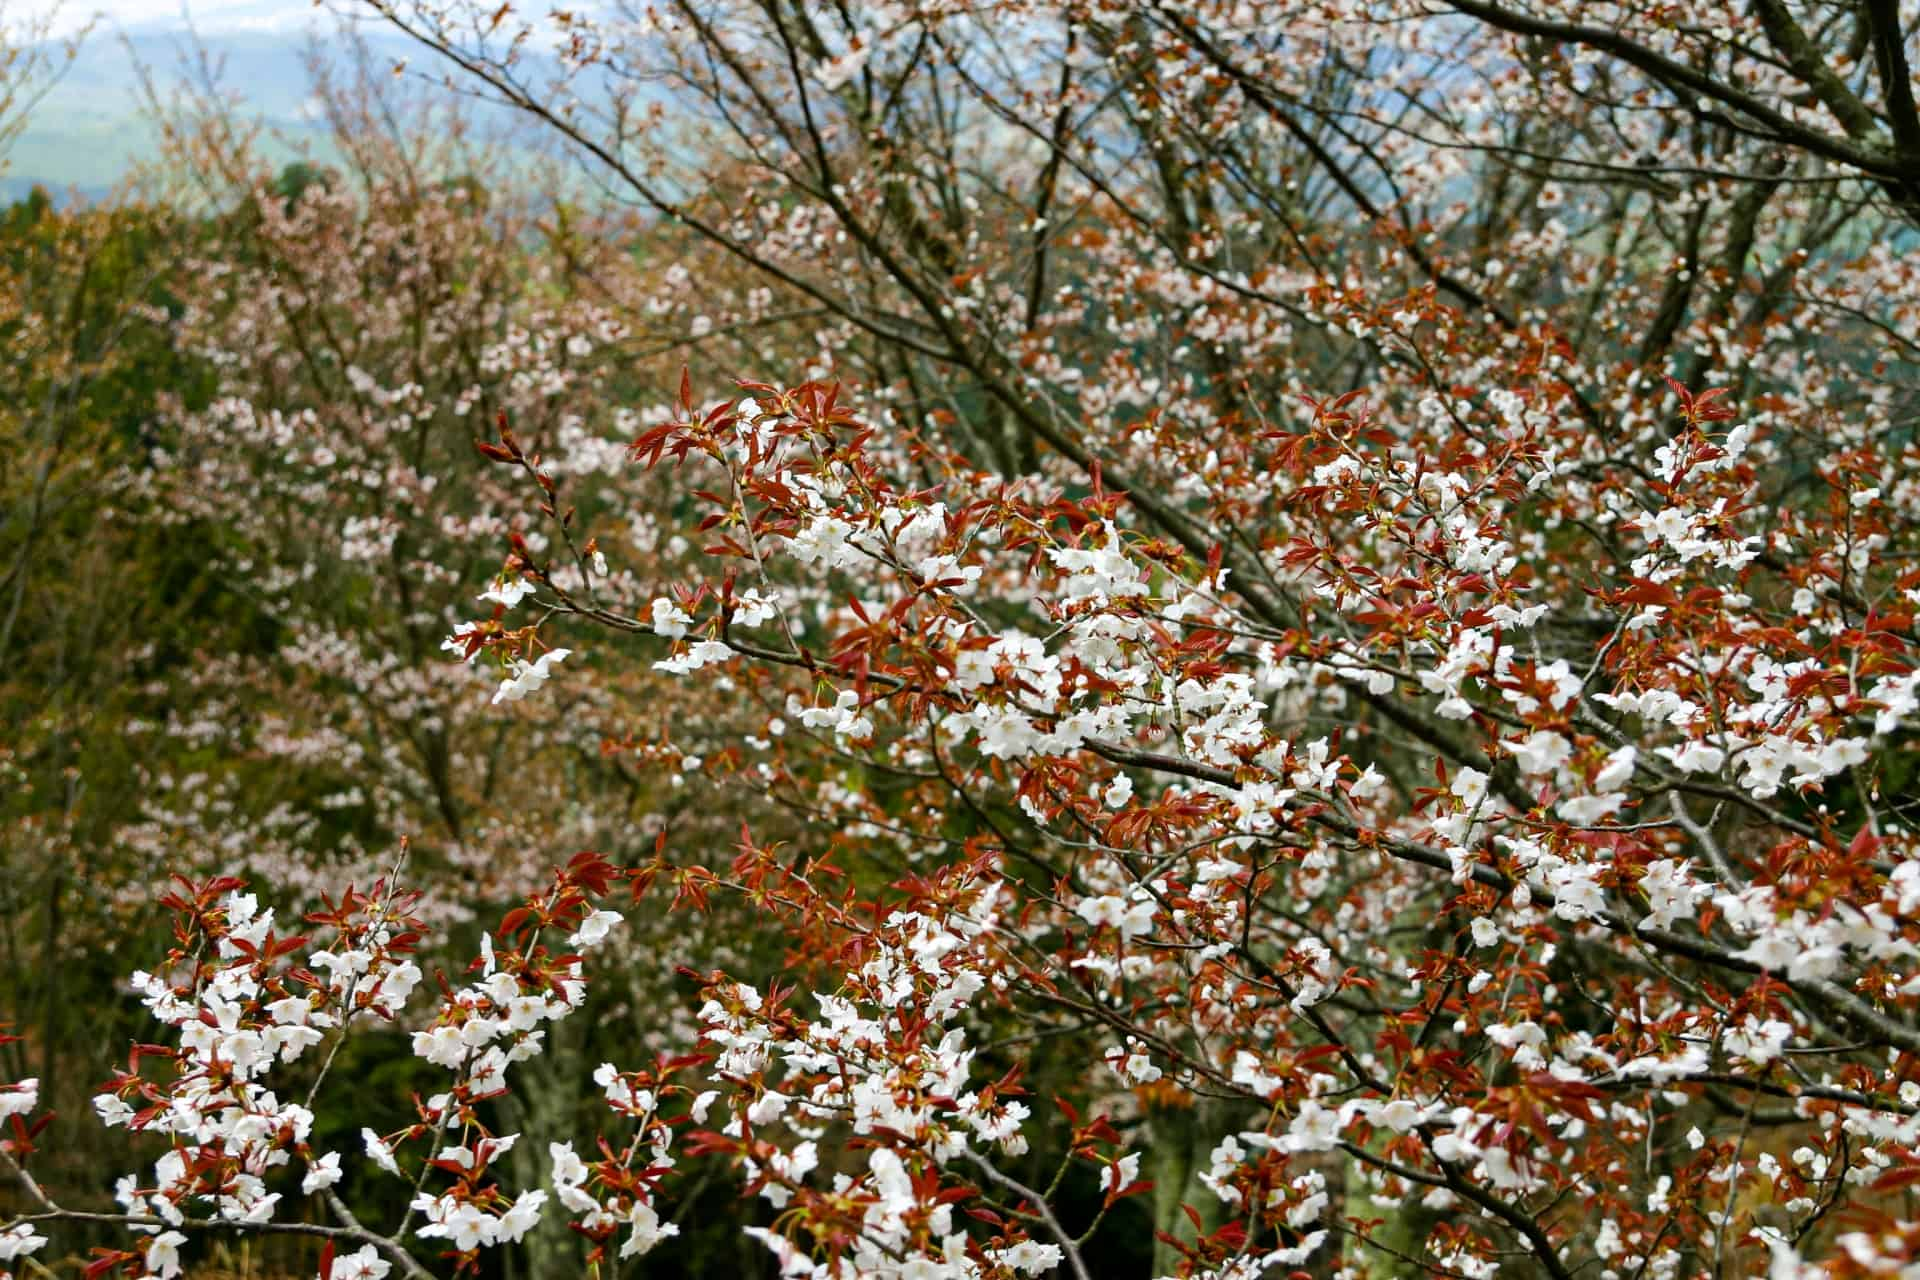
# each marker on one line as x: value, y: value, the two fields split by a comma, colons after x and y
x: 1462, y: 824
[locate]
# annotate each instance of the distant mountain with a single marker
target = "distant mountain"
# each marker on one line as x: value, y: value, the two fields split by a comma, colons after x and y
x: 92, y: 127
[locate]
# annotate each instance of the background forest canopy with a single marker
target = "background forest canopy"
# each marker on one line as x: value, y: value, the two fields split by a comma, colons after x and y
x: 1198, y: 640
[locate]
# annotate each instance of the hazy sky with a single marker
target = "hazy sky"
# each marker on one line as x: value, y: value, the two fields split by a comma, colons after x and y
x: 207, y: 15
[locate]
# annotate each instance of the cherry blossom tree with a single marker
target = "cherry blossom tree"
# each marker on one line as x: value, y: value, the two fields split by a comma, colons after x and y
x: 243, y: 513
x: 1343, y: 570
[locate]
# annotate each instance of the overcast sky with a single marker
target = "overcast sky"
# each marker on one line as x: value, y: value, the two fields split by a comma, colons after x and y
x: 209, y: 16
